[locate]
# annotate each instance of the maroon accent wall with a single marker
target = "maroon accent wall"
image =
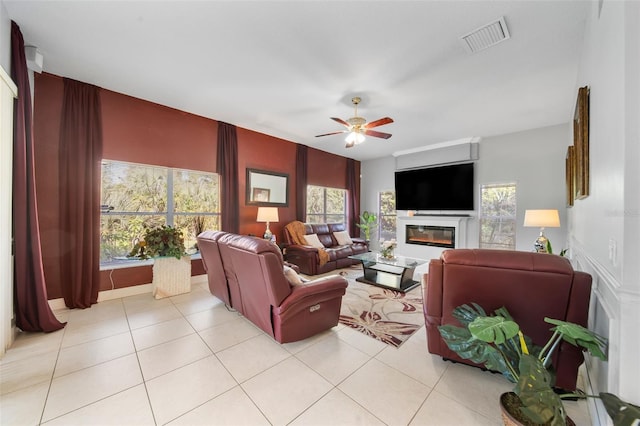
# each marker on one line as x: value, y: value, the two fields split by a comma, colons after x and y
x: 263, y: 152
x: 144, y: 132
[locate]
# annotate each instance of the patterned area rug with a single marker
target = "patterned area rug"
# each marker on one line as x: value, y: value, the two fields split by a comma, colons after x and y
x: 386, y: 315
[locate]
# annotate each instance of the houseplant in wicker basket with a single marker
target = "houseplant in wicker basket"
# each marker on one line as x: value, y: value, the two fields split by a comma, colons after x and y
x: 171, y: 265
x: 497, y: 343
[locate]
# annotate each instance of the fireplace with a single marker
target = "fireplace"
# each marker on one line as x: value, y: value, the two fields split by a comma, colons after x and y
x: 427, y: 235
x: 411, y: 244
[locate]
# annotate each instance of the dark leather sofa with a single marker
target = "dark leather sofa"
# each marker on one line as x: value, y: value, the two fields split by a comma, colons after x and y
x: 307, y: 258
x: 530, y: 285
x: 247, y: 274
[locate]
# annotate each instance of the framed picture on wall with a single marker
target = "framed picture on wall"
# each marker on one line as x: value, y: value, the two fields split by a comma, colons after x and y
x: 581, y: 144
x: 261, y: 195
x: 570, y: 177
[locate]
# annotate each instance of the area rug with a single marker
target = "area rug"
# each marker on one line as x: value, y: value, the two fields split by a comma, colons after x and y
x: 383, y: 314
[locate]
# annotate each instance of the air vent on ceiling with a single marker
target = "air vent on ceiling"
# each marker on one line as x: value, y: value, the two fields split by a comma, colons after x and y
x: 486, y: 36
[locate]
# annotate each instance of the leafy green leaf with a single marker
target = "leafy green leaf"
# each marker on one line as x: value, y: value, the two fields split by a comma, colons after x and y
x: 622, y: 413
x: 504, y: 313
x: 493, y: 329
x: 466, y: 314
x: 540, y: 403
x: 577, y: 335
x: 460, y: 340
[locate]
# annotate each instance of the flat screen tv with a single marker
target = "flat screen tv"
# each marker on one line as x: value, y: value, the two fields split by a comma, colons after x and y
x: 436, y: 188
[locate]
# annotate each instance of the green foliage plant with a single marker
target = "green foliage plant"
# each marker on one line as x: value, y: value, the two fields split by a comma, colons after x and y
x: 367, y: 224
x: 562, y: 253
x: 622, y: 413
x: 497, y: 343
x: 161, y: 241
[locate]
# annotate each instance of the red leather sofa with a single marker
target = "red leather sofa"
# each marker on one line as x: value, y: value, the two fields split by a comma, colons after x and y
x: 530, y: 285
x: 247, y: 274
x: 306, y: 257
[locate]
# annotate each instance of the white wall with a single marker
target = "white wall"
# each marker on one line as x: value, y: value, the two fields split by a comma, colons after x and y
x: 5, y: 38
x: 604, y: 228
x: 7, y: 92
x: 534, y: 159
x: 375, y: 176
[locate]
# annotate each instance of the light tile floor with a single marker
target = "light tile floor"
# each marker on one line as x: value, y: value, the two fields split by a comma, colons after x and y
x: 187, y: 360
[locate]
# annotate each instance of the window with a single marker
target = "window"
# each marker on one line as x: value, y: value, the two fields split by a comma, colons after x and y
x: 135, y: 196
x: 387, y: 215
x: 498, y: 216
x: 326, y: 205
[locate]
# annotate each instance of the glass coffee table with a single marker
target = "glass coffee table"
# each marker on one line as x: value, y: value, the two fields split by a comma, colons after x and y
x: 396, y: 273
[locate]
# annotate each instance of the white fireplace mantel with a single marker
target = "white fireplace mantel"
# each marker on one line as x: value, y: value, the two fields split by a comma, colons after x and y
x: 430, y: 252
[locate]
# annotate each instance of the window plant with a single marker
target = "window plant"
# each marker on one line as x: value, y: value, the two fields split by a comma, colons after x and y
x: 161, y: 241
x: 497, y: 343
x: 367, y: 224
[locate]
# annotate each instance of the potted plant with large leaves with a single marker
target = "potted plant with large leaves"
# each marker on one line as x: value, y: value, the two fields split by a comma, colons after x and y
x: 497, y: 343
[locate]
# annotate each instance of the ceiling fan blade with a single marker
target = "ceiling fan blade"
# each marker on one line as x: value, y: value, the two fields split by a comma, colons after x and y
x: 377, y: 134
x: 379, y: 122
x: 341, y: 121
x: 332, y: 133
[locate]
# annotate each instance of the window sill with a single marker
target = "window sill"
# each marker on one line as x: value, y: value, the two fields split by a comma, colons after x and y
x: 132, y: 263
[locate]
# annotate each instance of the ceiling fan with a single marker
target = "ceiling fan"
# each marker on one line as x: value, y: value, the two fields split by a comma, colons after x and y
x: 357, y: 127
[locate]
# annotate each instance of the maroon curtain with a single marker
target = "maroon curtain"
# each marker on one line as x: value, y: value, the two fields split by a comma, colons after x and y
x: 79, y: 180
x: 353, y: 201
x: 31, y: 307
x: 227, y: 166
x: 301, y: 182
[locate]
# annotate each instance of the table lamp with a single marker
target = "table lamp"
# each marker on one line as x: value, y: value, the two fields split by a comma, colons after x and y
x: 267, y: 214
x: 542, y: 219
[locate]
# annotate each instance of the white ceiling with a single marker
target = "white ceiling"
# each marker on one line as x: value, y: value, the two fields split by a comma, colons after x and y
x: 284, y: 67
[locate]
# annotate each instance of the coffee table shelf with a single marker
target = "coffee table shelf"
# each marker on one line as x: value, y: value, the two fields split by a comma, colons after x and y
x: 396, y: 273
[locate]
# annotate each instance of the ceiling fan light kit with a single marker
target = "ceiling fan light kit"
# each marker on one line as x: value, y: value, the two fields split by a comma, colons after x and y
x: 357, y: 127
x: 354, y: 138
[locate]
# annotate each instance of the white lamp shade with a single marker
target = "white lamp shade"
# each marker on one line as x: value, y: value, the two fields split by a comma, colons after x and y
x: 542, y: 218
x: 267, y: 214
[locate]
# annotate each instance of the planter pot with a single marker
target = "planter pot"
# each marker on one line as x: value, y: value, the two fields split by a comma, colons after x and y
x: 171, y: 276
x: 510, y: 408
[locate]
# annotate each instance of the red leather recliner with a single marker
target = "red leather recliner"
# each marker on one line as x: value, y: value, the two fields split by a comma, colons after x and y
x: 208, y: 246
x: 258, y: 289
x: 530, y: 285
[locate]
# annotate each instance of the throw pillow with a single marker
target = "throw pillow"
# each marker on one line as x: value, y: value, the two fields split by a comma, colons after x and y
x: 292, y: 276
x: 343, y: 238
x: 313, y: 241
